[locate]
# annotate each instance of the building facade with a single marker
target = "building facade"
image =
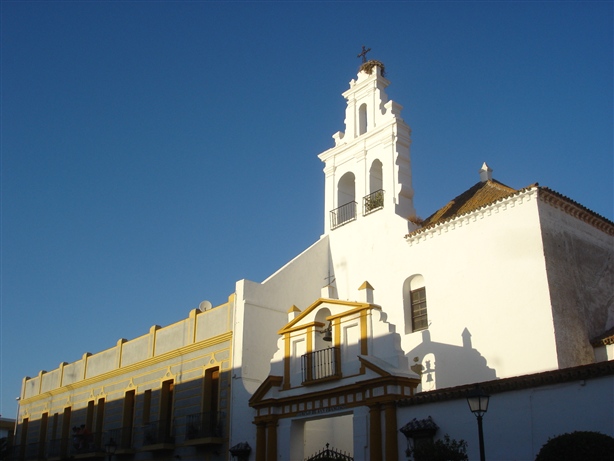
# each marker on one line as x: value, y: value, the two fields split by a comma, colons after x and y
x: 344, y: 344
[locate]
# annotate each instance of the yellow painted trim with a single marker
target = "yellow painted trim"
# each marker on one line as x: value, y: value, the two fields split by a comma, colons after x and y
x: 364, y: 389
x: 321, y: 301
x: 287, y: 360
x: 336, y: 332
x: 362, y: 308
x: 364, y: 344
x: 118, y: 372
x: 301, y: 327
x: 309, y: 339
x: 366, y: 285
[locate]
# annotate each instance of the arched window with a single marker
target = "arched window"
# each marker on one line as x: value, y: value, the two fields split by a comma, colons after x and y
x: 414, y: 304
x: 346, y: 189
x: 375, y: 199
x: 346, y: 201
x: 362, y: 119
x: 375, y: 176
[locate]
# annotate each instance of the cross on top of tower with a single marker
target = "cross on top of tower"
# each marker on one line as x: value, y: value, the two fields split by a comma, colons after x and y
x: 363, y: 54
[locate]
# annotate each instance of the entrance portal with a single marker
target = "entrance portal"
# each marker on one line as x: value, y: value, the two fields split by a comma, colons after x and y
x: 309, y: 437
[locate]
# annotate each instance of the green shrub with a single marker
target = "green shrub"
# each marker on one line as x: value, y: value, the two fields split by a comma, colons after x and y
x: 578, y: 446
x: 442, y: 450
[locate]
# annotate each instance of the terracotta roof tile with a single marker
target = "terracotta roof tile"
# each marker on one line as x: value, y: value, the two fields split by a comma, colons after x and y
x: 477, y: 196
x: 485, y: 193
x: 546, y: 378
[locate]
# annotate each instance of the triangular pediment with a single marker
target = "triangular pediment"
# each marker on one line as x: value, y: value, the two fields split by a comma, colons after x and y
x: 337, y: 307
x: 385, y: 369
x: 270, y: 382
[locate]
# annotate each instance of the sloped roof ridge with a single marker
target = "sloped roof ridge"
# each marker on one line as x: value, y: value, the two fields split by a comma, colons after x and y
x: 549, y: 196
x: 495, y: 183
x: 586, y: 214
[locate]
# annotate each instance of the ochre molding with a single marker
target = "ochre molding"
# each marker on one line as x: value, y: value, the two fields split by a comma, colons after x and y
x: 119, y: 372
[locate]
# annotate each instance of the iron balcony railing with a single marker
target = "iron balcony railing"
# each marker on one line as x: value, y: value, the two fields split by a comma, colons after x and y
x: 203, y: 425
x: 373, y: 202
x: 343, y: 214
x: 158, y: 432
x: 121, y: 437
x: 87, y: 443
x: 58, y: 448
x: 13, y: 453
x: 321, y: 364
x: 34, y: 450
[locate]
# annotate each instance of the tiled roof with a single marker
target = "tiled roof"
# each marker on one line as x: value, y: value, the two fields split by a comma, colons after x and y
x: 482, y: 193
x: 546, y: 378
x: 491, y: 191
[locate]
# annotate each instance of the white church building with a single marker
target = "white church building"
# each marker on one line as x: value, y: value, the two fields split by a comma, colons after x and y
x: 384, y: 323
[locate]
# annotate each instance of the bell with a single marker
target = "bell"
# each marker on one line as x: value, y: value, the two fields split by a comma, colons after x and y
x: 328, y: 333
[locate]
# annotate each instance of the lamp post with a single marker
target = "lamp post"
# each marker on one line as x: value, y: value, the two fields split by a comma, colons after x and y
x: 110, y: 448
x: 478, y: 404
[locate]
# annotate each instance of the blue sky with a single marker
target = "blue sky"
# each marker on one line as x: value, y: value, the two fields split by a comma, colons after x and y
x: 154, y: 153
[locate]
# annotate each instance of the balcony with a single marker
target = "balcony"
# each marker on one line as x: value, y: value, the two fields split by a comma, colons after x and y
x: 34, y: 451
x: 373, y: 202
x: 57, y: 449
x: 343, y: 215
x: 321, y: 365
x: 13, y: 453
x: 157, y: 435
x: 203, y: 429
x: 122, y: 438
x: 86, y: 446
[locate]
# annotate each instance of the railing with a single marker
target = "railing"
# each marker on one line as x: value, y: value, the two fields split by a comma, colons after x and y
x: 13, y: 453
x: 34, y: 451
x: 343, y: 214
x: 373, y: 202
x: 321, y: 364
x: 57, y: 448
x: 203, y: 425
x: 86, y: 444
x: 121, y: 437
x: 157, y: 432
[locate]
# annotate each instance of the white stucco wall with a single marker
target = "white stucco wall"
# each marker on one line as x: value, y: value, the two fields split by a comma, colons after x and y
x: 580, y: 261
x: 261, y: 309
x: 519, y: 423
x: 487, y: 292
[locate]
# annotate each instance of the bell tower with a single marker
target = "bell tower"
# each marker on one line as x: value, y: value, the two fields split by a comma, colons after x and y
x: 368, y: 171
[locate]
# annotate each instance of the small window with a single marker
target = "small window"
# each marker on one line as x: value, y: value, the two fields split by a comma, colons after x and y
x: 419, y: 320
x: 362, y: 119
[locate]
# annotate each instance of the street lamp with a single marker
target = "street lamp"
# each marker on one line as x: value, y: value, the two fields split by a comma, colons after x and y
x: 478, y: 404
x: 110, y: 447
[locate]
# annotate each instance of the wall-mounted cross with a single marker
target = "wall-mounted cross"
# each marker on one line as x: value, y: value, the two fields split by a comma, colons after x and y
x: 363, y: 54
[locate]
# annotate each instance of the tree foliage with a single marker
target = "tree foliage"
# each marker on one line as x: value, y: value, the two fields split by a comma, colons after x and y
x: 578, y: 446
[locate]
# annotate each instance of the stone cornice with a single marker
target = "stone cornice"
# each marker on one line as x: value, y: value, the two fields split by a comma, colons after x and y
x: 576, y: 210
x: 132, y: 368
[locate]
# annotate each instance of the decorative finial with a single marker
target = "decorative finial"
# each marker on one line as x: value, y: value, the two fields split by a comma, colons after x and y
x: 363, y: 54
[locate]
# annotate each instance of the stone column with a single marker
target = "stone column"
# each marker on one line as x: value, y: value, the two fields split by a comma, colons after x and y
x: 375, y: 432
x: 390, y: 414
x: 271, y: 442
x: 261, y: 441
